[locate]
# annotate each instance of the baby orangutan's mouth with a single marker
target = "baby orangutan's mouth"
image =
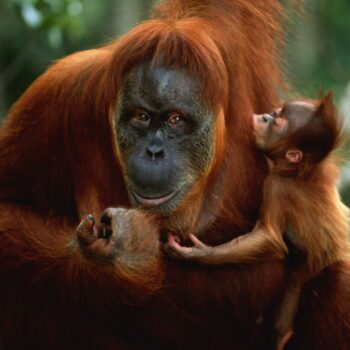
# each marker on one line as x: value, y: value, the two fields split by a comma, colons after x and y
x: 152, y: 201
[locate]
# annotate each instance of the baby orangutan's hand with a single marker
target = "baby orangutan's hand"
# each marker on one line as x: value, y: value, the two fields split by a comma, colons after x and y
x: 199, y: 252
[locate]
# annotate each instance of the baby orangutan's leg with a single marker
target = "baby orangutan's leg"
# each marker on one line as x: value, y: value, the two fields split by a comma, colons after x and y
x: 288, y: 307
x: 284, y: 341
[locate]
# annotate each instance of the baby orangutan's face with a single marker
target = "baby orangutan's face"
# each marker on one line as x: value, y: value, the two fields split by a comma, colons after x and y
x: 269, y: 128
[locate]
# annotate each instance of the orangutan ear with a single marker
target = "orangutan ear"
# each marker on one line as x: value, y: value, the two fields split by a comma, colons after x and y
x: 294, y: 155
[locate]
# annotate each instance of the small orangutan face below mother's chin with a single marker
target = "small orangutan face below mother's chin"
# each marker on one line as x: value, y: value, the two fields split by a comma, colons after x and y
x: 164, y: 134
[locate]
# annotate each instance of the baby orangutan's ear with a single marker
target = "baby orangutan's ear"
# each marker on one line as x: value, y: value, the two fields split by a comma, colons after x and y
x: 294, y: 155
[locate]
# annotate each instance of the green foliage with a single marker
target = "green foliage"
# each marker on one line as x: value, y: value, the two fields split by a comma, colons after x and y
x: 346, y: 194
x: 54, y: 17
x: 33, y: 33
x: 319, y: 48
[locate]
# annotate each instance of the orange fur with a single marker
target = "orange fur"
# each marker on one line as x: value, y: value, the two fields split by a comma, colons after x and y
x: 59, y: 162
x: 300, y: 200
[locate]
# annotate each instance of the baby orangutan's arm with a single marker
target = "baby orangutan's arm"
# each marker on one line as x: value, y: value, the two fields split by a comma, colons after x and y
x: 249, y: 247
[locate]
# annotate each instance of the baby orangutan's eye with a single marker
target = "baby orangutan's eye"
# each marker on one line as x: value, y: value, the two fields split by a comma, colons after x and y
x: 266, y: 118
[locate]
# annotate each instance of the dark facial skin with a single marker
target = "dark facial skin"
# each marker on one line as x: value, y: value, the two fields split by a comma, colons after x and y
x: 165, y: 136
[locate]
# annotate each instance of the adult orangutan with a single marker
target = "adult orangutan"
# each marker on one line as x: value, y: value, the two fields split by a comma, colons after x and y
x: 159, y: 121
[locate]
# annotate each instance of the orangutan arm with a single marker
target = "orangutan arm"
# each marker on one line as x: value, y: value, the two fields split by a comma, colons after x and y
x: 247, y: 248
x: 48, y: 252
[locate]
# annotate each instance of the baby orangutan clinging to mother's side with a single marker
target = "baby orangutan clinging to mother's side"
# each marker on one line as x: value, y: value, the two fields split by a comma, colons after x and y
x: 300, y: 200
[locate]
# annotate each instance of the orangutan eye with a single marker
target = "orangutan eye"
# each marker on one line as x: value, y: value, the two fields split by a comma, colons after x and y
x: 175, y: 119
x: 140, y: 119
x: 266, y: 118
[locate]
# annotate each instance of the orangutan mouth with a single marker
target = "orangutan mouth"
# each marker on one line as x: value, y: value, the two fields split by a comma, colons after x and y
x: 152, y: 202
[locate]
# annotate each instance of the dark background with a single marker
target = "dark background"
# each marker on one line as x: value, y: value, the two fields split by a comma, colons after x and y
x: 33, y: 33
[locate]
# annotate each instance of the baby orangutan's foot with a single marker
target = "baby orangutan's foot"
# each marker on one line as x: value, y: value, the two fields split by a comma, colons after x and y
x: 283, y: 340
x: 95, y: 240
x: 121, y: 233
